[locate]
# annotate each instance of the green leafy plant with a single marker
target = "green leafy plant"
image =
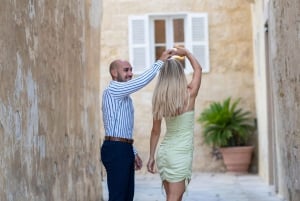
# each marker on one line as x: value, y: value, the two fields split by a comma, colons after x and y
x: 225, y: 124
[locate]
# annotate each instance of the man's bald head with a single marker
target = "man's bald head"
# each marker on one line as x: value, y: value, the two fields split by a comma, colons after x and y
x: 120, y: 70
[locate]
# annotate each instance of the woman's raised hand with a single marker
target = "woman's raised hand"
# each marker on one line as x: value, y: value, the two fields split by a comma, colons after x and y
x: 181, y: 51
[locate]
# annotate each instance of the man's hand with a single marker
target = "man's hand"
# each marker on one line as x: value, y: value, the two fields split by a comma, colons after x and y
x: 167, y: 54
x: 138, y: 163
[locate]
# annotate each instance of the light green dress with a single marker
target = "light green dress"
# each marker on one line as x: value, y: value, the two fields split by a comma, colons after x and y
x: 175, y: 154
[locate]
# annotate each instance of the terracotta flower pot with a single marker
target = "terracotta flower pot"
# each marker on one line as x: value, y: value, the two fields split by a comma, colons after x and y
x: 237, y: 159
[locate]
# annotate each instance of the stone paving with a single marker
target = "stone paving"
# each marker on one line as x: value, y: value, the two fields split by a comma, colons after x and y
x: 206, y: 187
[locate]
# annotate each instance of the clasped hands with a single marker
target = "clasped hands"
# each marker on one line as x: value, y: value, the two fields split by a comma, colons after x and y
x: 179, y: 51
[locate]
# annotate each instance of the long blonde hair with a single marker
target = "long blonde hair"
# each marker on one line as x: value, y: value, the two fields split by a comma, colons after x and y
x: 170, y: 94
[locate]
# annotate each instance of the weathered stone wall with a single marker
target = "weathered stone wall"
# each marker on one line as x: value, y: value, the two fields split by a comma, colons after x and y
x: 262, y: 91
x: 284, y: 31
x: 231, y: 62
x: 49, y: 100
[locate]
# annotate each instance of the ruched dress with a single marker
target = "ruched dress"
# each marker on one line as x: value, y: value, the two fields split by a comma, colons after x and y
x: 175, y: 153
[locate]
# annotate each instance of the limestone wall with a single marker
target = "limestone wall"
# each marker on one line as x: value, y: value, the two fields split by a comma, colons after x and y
x: 277, y: 76
x: 231, y: 62
x: 49, y: 100
x: 284, y: 31
x: 262, y: 90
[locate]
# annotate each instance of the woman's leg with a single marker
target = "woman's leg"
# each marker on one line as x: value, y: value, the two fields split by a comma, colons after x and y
x: 175, y: 190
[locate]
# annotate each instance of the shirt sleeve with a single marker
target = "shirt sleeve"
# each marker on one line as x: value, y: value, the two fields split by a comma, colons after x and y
x: 121, y: 89
x: 134, y: 151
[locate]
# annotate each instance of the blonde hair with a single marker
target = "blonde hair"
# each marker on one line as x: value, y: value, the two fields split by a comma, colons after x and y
x: 170, y: 94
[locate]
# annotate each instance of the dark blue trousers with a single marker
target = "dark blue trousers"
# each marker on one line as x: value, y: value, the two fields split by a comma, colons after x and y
x: 118, y: 160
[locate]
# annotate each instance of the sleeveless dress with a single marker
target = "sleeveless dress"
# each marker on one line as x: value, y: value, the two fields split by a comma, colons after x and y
x: 175, y: 154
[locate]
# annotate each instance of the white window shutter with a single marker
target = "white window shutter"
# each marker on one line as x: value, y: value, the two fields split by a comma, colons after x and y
x: 138, y: 43
x: 198, y: 36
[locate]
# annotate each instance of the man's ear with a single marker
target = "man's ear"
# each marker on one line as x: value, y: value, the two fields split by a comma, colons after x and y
x: 114, y: 73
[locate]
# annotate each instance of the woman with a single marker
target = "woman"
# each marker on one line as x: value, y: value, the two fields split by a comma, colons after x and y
x: 174, y: 100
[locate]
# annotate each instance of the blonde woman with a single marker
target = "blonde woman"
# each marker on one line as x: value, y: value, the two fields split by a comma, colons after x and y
x: 174, y: 100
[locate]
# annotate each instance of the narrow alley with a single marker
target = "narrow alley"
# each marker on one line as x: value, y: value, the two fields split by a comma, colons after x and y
x: 55, y: 65
x: 206, y: 187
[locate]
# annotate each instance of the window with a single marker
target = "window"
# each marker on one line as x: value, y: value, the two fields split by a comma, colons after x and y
x: 166, y: 32
x: 150, y: 35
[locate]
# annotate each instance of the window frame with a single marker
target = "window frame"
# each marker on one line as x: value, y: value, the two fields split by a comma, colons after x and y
x: 149, y: 43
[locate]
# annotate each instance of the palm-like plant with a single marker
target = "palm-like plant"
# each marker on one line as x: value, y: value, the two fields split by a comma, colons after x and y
x: 226, y: 125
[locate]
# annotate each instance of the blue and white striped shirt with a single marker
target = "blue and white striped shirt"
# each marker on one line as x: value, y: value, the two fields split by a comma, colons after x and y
x: 117, y: 107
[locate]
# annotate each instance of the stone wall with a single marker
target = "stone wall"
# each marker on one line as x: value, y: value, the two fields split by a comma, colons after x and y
x: 284, y: 34
x: 262, y: 91
x: 49, y: 100
x: 231, y: 62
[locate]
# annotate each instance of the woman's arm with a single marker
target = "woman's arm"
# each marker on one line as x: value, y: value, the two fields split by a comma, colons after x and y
x: 195, y: 83
x: 155, y: 133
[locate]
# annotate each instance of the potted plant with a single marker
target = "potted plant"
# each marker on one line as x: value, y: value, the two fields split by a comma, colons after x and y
x: 228, y: 128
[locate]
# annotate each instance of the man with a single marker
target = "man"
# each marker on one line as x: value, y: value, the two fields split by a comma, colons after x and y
x: 117, y: 153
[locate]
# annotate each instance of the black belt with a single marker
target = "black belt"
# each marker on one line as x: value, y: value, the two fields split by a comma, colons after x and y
x: 119, y: 139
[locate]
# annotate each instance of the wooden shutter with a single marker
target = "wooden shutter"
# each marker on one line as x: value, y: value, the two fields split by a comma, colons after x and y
x: 138, y: 43
x: 197, y: 41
